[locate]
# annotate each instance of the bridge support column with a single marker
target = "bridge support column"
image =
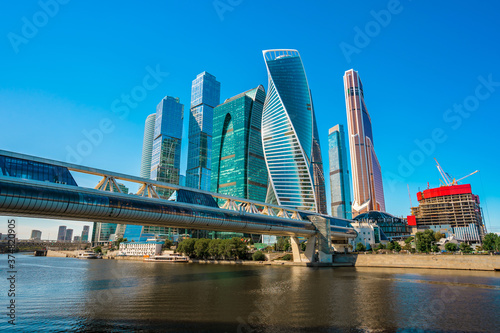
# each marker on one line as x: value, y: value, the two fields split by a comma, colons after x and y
x: 324, y: 238
x: 310, y: 249
x: 295, y: 249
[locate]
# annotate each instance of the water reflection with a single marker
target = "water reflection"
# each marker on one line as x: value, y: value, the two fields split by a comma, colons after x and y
x: 110, y: 295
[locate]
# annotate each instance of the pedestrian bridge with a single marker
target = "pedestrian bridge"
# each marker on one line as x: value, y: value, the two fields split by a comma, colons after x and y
x: 27, y: 191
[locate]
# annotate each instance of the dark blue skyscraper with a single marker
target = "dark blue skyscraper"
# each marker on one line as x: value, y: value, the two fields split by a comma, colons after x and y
x: 205, y: 96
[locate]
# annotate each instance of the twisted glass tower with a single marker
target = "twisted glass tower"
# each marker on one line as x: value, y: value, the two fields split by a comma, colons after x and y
x: 289, y: 135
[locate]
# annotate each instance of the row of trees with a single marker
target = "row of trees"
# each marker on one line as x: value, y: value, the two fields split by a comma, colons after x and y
x: 203, y: 248
x: 491, y: 242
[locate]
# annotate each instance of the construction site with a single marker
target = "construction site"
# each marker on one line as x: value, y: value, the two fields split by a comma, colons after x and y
x: 451, y: 209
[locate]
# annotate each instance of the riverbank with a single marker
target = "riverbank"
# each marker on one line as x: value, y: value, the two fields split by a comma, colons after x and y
x: 428, y: 261
x: 419, y: 261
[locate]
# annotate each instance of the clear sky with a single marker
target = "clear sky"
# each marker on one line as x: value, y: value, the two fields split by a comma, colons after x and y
x: 430, y: 71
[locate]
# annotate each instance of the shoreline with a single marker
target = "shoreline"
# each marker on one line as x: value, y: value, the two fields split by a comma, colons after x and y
x: 414, y: 261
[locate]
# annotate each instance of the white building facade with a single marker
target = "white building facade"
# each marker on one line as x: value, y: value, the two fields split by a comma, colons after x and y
x: 140, y: 248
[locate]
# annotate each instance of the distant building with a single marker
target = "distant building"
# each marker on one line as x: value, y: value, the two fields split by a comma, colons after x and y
x: 166, y: 158
x: 36, y: 235
x: 391, y: 226
x: 205, y: 96
x: 147, y: 146
x: 368, y: 190
x: 453, y: 209
x: 69, y: 235
x: 140, y: 248
x: 85, y: 233
x: 61, y: 234
x: 238, y: 164
x: 77, y: 239
x: 340, y: 185
x: 182, y: 180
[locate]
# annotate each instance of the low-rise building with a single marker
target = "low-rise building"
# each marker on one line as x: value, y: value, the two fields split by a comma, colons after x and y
x: 369, y: 234
x: 140, y: 248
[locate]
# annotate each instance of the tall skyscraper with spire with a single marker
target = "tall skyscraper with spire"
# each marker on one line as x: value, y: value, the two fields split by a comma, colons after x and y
x: 147, y: 146
x: 340, y: 185
x: 368, y: 190
x: 205, y: 96
x: 290, y: 136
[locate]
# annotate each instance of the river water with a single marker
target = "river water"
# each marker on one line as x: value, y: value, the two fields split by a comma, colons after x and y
x: 65, y: 294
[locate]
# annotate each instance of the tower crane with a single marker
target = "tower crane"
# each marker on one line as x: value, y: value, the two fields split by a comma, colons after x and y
x: 447, y: 179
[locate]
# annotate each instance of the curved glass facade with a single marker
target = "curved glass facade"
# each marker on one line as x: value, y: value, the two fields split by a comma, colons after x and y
x: 147, y: 146
x: 288, y: 131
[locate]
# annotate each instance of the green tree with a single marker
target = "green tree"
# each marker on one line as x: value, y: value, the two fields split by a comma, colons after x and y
x: 435, y: 248
x: 213, y: 248
x: 425, y: 240
x: 303, y: 246
x: 186, y: 246
x: 258, y: 256
x: 98, y: 249
x: 381, y: 247
x: 491, y: 242
x: 409, y: 239
x: 438, y: 236
x: 287, y: 256
x: 282, y: 244
x: 118, y: 241
x: 168, y: 244
x: 450, y: 247
x: 465, y: 248
x: 201, y: 248
x: 360, y: 247
x: 397, y: 247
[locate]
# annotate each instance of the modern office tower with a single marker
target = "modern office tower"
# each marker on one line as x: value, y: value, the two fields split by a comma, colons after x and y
x: 77, y: 239
x: 101, y: 232
x: 36, y: 235
x: 61, y: 234
x: 69, y: 235
x: 340, y: 186
x: 147, y: 146
x: 238, y: 165
x: 205, y: 96
x: 166, y: 158
x: 291, y: 148
x: 85, y: 233
x: 368, y: 191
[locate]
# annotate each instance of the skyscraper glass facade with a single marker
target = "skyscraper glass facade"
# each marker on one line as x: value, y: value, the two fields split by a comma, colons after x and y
x: 340, y: 186
x: 147, y: 146
x: 61, y: 234
x: 85, y: 233
x: 288, y: 128
x: 238, y: 164
x: 368, y: 190
x: 166, y: 158
x: 205, y: 96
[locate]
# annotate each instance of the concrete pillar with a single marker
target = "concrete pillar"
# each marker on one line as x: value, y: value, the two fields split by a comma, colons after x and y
x: 324, y: 237
x: 310, y: 249
x: 295, y: 249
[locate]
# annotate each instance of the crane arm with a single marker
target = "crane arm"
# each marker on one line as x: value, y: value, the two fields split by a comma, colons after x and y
x: 466, y: 176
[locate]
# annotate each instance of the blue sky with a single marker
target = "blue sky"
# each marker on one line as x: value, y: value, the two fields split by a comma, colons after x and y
x: 427, y: 67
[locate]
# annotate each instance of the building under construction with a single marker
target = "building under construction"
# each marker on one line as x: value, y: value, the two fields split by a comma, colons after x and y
x: 449, y: 209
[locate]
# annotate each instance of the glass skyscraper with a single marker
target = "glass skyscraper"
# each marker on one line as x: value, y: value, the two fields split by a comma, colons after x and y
x: 85, y: 233
x: 238, y: 164
x: 166, y: 157
x: 368, y: 190
x: 340, y: 186
x: 205, y: 96
x: 289, y: 135
x: 147, y: 146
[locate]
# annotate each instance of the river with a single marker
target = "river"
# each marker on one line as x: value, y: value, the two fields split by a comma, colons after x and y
x: 65, y: 294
